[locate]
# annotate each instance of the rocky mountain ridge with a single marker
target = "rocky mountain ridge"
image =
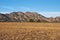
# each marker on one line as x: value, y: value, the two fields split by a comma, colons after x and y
x: 26, y: 17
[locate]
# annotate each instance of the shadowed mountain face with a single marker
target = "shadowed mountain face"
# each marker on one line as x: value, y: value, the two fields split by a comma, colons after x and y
x: 26, y: 17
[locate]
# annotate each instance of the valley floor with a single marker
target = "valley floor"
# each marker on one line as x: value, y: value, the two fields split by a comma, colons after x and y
x: 29, y: 31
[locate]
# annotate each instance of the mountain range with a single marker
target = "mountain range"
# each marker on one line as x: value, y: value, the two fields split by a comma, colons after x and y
x: 26, y: 17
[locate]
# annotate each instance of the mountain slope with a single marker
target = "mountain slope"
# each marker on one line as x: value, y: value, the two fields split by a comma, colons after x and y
x: 26, y: 17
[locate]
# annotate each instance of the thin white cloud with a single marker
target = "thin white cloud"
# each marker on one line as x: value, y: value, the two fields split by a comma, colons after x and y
x: 50, y: 14
x: 23, y: 9
x: 6, y: 9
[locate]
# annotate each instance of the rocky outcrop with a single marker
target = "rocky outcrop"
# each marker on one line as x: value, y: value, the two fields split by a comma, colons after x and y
x: 26, y: 17
x: 57, y: 19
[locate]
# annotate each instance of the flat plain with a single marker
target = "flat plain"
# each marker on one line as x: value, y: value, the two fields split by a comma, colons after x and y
x: 29, y: 31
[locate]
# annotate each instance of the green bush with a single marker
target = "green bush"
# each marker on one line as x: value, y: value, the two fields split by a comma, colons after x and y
x: 31, y: 20
x: 38, y: 20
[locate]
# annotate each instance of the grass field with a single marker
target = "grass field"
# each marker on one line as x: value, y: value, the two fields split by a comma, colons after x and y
x: 29, y: 31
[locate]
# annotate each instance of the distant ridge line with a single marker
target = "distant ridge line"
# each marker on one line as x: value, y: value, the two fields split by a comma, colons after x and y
x: 26, y: 17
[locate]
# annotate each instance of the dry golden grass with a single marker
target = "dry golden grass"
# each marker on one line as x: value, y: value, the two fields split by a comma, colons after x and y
x: 29, y: 31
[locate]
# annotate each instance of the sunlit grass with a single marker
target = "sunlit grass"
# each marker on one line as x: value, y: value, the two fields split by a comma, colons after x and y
x: 29, y: 31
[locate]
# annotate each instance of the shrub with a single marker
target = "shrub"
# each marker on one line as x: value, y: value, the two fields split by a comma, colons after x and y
x: 38, y: 20
x: 31, y: 20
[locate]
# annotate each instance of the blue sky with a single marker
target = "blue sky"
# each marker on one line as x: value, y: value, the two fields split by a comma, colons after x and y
x: 47, y: 8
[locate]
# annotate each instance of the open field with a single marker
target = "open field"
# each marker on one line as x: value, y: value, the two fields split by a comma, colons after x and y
x: 29, y: 31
